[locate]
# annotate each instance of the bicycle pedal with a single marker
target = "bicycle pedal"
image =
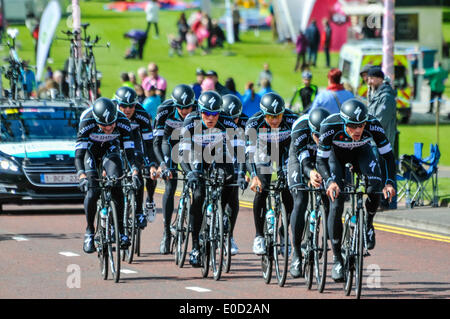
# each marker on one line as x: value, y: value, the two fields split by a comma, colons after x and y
x: 367, y: 254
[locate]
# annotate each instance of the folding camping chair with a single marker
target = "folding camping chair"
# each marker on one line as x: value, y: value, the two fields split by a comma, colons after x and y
x: 416, y: 177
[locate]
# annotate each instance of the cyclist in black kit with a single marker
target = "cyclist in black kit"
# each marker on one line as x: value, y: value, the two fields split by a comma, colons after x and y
x: 204, y: 141
x: 168, y: 123
x: 142, y: 131
x: 232, y: 108
x: 267, y: 131
x: 102, y: 131
x: 302, y: 167
x: 345, y: 138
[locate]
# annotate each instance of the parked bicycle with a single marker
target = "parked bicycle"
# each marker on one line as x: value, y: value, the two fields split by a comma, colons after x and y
x: 14, y: 71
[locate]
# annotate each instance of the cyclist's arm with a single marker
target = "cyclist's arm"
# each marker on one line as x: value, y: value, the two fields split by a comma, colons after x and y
x: 85, y: 128
x: 250, y: 146
x: 158, y: 134
x: 127, y: 141
x: 187, y: 145
x: 324, y: 152
x: 145, y: 124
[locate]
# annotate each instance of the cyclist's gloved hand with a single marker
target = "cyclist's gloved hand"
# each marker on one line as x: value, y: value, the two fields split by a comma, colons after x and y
x: 136, y: 182
x: 243, y: 184
x: 166, y: 174
x: 192, y: 178
x: 83, y: 185
x: 146, y: 171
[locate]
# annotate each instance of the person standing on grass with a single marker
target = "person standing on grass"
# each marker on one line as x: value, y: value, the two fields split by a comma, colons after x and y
x: 300, y: 48
x: 327, y: 43
x: 437, y: 76
x: 152, y: 13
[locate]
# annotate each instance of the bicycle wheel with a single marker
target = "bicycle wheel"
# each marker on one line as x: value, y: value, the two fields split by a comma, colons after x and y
x: 102, y: 247
x: 217, y: 242
x: 320, y: 244
x: 281, y: 246
x: 227, y: 242
x: 130, y: 223
x: 308, y: 263
x: 182, y: 231
x: 113, y: 240
x: 359, y: 254
x: 204, y: 246
x: 347, y: 252
x: 267, y: 259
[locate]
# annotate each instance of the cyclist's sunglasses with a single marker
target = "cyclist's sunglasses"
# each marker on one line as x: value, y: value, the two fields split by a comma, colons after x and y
x: 182, y: 107
x: 124, y: 106
x: 272, y: 117
x: 207, y: 113
x: 356, y: 125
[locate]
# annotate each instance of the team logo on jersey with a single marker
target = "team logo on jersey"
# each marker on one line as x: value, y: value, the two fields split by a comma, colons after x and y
x: 372, y: 166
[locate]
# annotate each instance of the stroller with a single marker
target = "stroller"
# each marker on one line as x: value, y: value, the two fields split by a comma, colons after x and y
x: 138, y: 39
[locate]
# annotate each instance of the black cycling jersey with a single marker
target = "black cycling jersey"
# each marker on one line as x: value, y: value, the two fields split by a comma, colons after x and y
x: 168, y: 124
x: 200, y: 145
x: 90, y: 136
x: 333, y: 137
x: 142, y: 132
x: 261, y: 140
x: 302, y: 152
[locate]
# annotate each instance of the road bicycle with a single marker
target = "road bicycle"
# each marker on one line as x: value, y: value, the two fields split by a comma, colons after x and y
x: 15, y: 72
x: 276, y: 234
x: 107, y: 230
x: 129, y: 218
x: 315, y: 240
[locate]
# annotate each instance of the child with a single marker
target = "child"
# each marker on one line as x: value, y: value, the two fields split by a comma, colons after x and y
x: 175, y: 45
x: 191, y: 42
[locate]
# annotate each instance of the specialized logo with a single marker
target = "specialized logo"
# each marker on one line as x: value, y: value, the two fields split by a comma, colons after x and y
x: 294, y: 176
x: 106, y: 115
x: 184, y: 96
x: 212, y: 100
x: 231, y: 107
x: 358, y: 113
x: 127, y: 96
x: 372, y: 165
x: 275, y: 105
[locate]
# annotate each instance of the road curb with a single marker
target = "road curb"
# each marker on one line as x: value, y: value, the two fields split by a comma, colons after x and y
x: 418, y: 225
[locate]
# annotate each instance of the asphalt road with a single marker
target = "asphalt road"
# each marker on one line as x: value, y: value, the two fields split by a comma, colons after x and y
x: 42, y: 257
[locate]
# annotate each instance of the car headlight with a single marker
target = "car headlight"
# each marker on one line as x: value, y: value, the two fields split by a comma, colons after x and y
x: 8, y: 165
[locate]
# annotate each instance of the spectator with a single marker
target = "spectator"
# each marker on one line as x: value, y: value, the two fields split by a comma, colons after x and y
x: 313, y: 37
x: 140, y: 93
x: 265, y: 74
x: 62, y: 85
x: 142, y: 74
x: 437, y: 77
x: 49, y: 90
x: 300, y: 48
x: 265, y: 87
x: 208, y: 85
x: 151, y: 102
x: 126, y: 80
x: 382, y: 104
x: 327, y: 43
x: 156, y: 80
x: 183, y: 27
x: 197, y: 86
x: 219, y: 88
x: 152, y: 13
x: 230, y: 85
x: 250, y: 100
x: 364, y: 90
x: 175, y: 45
x: 48, y: 74
x: 335, y: 94
x: 191, y: 42
x: 306, y: 94
x: 132, y: 78
x: 30, y: 80
x: 217, y: 35
x: 236, y: 21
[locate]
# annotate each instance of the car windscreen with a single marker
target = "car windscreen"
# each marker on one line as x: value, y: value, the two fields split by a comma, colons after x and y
x: 38, y: 123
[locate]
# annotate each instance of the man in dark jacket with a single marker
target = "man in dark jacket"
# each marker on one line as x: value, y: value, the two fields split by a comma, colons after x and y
x: 219, y: 88
x: 313, y: 36
x: 327, y: 43
x: 383, y: 106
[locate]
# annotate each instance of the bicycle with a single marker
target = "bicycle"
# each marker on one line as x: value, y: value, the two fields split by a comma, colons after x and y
x: 354, y: 237
x: 315, y: 241
x: 129, y: 218
x: 73, y: 62
x: 276, y: 235
x: 212, y: 228
x: 15, y: 72
x: 107, y: 230
x: 180, y: 226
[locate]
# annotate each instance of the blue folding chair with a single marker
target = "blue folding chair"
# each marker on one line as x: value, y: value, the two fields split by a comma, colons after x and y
x: 415, y: 176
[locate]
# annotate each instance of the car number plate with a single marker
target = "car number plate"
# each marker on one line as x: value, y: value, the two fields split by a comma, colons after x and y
x: 59, y: 178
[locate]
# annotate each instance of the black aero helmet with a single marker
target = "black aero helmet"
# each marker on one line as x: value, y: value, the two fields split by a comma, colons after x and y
x: 104, y: 111
x: 316, y: 116
x: 183, y: 96
x: 354, y: 111
x: 232, y: 105
x: 272, y: 104
x: 125, y: 95
x: 210, y: 101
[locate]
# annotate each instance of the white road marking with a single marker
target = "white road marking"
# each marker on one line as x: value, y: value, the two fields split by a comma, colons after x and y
x: 198, y: 289
x: 68, y: 254
x: 128, y: 271
x: 20, y: 238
